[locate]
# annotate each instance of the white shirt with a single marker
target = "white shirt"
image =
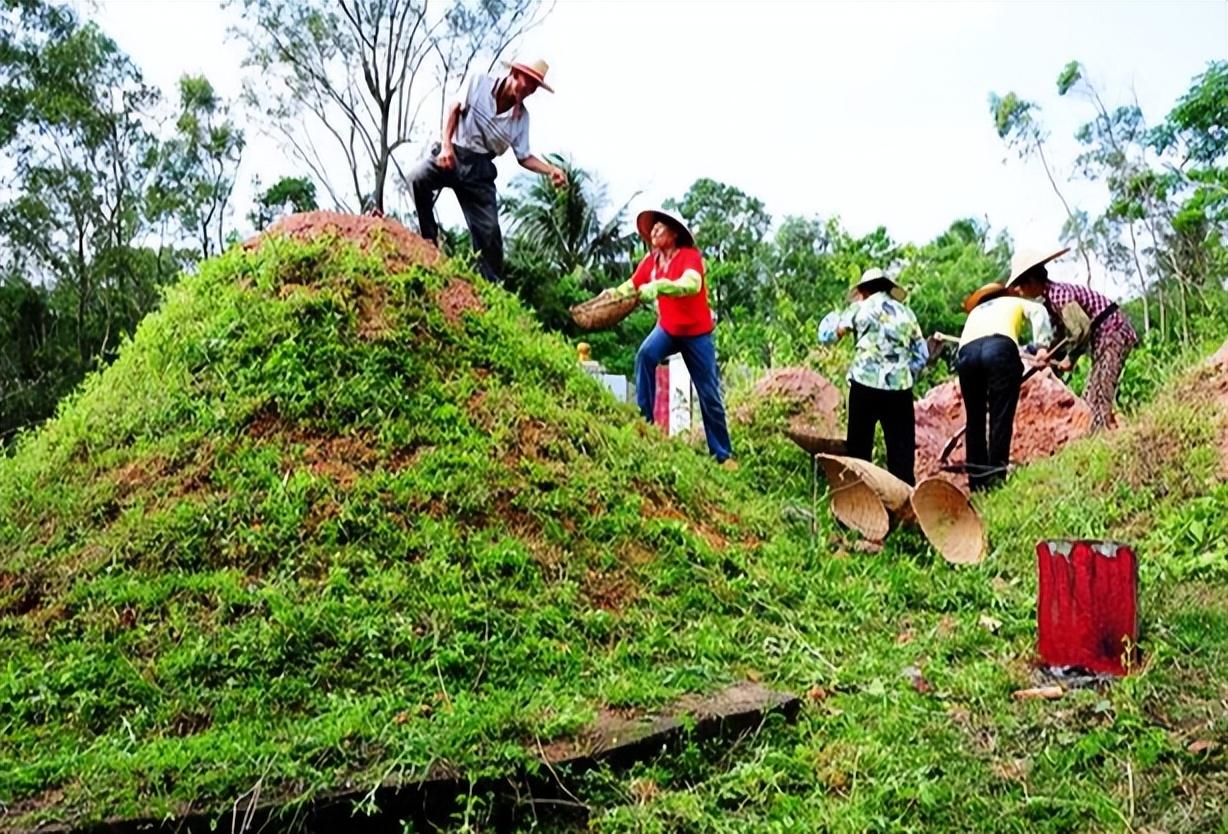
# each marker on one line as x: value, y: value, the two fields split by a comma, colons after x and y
x: 481, y: 129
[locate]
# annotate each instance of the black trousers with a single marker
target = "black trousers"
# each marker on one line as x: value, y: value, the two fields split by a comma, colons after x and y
x: 990, y: 373
x: 473, y: 181
x: 894, y: 409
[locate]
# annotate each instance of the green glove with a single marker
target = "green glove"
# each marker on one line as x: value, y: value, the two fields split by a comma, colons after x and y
x: 624, y: 290
x: 649, y: 291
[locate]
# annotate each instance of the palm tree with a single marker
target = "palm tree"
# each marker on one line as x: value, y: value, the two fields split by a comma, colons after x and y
x: 561, y: 229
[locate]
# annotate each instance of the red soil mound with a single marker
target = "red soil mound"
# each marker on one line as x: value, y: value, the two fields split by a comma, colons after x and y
x: 400, y: 247
x: 811, y: 398
x: 458, y: 297
x: 1048, y: 417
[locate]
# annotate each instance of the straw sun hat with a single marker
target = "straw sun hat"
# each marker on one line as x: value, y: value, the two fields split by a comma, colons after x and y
x: 645, y: 220
x: 534, y: 69
x: 867, y: 499
x: 985, y: 293
x: 874, y: 274
x: 949, y: 521
x: 1030, y: 259
x: 863, y: 496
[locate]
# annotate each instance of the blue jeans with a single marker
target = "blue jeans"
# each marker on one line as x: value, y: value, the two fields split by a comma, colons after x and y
x: 699, y: 354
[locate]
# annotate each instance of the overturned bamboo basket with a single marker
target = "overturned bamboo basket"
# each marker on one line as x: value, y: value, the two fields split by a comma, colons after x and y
x: 865, y: 497
x: 949, y: 521
x: 603, y: 311
x: 814, y: 442
x: 869, y: 499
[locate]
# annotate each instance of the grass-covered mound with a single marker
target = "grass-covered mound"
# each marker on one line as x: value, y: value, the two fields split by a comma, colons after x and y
x: 335, y: 517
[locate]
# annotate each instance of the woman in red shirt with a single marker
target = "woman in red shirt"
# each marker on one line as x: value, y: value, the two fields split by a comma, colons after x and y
x: 672, y: 274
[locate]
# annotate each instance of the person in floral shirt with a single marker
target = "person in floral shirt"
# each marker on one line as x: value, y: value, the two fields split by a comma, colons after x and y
x: 889, y: 353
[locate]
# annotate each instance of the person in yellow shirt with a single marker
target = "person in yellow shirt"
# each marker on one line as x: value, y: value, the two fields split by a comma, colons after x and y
x: 990, y: 374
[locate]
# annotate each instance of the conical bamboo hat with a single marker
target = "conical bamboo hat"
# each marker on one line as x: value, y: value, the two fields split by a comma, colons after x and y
x: 949, y: 521
x: 863, y: 496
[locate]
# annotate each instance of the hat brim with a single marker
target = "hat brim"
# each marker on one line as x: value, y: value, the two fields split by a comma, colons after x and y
x: 645, y: 220
x: 983, y: 294
x: 897, y: 292
x: 532, y: 73
x: 1016, y: 274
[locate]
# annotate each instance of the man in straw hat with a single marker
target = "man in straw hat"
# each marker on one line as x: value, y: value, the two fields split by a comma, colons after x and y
x: 1084, y: 316
x: 490, y: 119
x: 889, y: 354
x: 990, y: 373
x: 672, y: 275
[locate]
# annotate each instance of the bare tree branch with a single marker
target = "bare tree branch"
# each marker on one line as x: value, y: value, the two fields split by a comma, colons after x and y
x: 352, y: 67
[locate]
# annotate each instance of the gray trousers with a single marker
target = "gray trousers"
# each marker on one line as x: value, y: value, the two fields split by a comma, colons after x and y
x: 473, y: 182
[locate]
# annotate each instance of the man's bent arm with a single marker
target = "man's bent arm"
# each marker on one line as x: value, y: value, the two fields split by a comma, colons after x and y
x: 449, y: 127
x: 538, y: 166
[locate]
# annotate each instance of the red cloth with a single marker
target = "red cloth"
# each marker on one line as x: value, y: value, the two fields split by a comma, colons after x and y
x: 687, y: 315
x: 660, y: 408
x: 1087, y: 608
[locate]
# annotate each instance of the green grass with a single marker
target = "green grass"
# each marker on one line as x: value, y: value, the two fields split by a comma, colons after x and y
x: 291, y: 541
x: 872, y: 753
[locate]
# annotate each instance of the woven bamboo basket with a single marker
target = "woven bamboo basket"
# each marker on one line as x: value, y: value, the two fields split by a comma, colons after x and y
x: 603, y: 311
x: 814, y: 443
x: 949, y: 521
x: 865, y: 497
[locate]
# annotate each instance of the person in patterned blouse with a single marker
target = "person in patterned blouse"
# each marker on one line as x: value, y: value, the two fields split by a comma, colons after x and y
x: 1111, y: 339
x: 888, y: 355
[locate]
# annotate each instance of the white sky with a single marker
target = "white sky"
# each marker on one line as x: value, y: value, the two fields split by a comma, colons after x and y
x: 873, y: 111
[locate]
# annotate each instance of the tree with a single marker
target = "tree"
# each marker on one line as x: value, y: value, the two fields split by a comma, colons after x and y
x: 358, y: 73
x: 1016, y: 123
x: 78, y: 146
x: 288, y: 194
x: 1198, y: 125
x: 1114, y: 152
x: 800, y: 283
x: 26, y: 375
x: 1172, y: 203
x: 799, y: 263
x: 199, y: 162
x: 1192, y: 142
x: 83, y: 151
x: 564, y: 226
x: 941, y: 274
x: 729, y: 227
